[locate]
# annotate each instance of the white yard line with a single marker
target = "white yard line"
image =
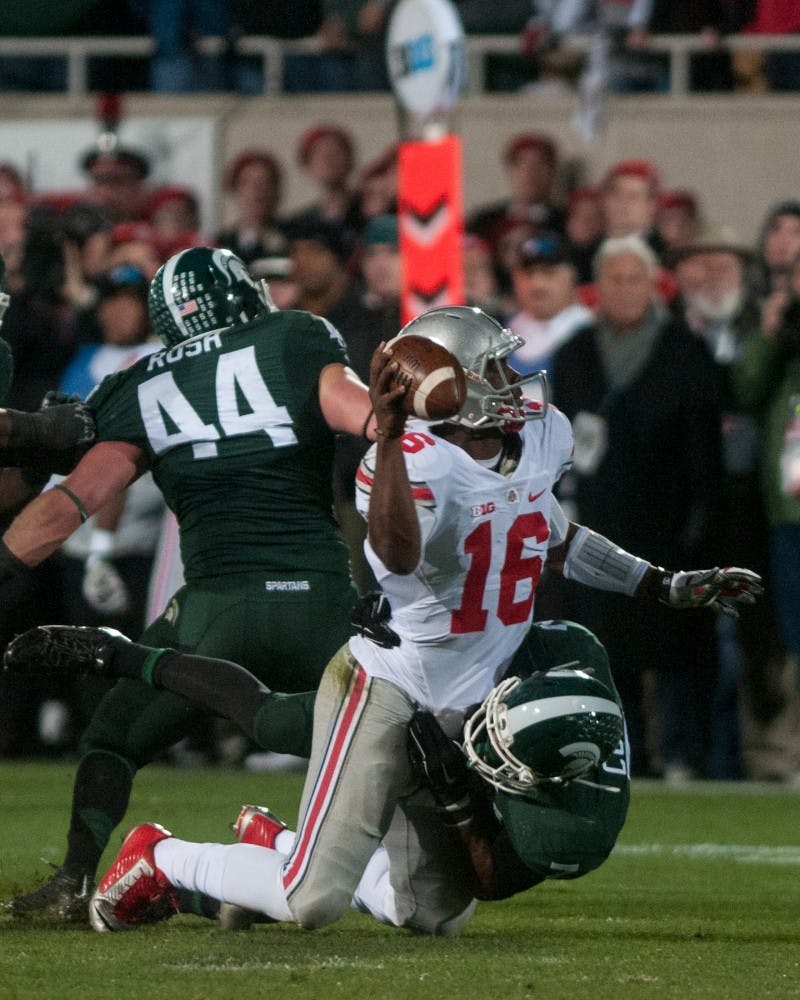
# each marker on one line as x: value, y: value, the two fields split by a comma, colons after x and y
x: 749, y: 854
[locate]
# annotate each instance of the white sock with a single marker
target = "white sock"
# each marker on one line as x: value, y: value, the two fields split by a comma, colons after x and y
x: 284, y: 842
x: 374, y: 893
x: 243, y: 874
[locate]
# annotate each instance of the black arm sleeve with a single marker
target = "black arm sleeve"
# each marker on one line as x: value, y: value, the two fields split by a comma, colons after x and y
x: 277, y: 722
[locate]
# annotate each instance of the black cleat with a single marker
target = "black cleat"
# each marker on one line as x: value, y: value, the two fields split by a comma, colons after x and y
x: 64, y: 647
x: 63, y: 897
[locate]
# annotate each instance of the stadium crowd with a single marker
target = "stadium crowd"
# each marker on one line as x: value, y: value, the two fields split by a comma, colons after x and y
x: 350, y: 40
x: 672, y: 346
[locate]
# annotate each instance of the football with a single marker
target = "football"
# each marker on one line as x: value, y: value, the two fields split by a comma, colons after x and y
x: 437, y: 386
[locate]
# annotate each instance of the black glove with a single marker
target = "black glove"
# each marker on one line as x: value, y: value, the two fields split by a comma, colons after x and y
x: 371, y: 615
x: 440, y: 765
x: 53, y: 439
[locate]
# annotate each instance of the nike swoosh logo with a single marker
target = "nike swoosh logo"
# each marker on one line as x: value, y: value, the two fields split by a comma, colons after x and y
x: 534, y: 496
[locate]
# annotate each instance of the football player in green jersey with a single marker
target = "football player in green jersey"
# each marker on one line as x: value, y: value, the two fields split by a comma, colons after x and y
x: 235, y: 418
x: 539, y: 791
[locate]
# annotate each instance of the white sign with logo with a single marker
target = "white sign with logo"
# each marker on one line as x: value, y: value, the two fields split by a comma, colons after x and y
x: 426, y: 56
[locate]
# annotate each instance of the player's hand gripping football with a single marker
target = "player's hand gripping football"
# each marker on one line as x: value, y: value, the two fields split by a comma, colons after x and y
x: 439, y: 763
x: 721, y: 589
x: 386, y: 397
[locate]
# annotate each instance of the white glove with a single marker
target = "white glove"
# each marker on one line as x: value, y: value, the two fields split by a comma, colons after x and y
x: 721, y: 589
x: 103, y: 588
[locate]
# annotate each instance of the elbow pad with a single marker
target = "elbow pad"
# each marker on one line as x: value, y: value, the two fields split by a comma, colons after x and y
x: 597, y: 562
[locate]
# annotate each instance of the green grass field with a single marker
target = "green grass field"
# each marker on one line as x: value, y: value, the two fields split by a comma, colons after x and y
x: 700, y: 899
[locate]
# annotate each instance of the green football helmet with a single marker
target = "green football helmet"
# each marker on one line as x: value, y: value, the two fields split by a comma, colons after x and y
x: 552, y: 727
x: 202, y: 290
x: 481, y: 345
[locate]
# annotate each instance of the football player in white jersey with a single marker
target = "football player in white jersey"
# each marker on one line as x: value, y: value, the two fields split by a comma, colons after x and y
x: 460, y: 520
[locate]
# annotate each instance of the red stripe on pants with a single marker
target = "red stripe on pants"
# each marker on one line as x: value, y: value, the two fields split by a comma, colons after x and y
x: 337, y: 749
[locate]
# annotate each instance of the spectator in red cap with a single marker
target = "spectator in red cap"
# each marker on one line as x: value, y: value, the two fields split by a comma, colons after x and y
x: 326, y: 155
x: 677, y: 220
x: 630, y: 191
x: 531, y: 162
x: 133, y: 244
x: 174, y: 213
x: 255, y: 180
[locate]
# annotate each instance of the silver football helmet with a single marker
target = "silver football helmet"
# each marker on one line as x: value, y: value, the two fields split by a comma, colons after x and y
x: 481, y: 345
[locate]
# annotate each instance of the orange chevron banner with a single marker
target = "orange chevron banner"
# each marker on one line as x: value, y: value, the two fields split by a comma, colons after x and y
x: 431, y: 224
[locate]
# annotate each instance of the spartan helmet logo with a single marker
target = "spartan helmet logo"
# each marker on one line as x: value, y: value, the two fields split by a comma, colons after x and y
x: 232, y: 268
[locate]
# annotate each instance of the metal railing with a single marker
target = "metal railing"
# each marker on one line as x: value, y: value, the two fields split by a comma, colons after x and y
x: 78, y: 51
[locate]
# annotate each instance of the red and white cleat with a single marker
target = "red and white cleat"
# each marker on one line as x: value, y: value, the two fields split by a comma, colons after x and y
x: 254, y: 825
x: 133, y: 891
x: 257, y: 825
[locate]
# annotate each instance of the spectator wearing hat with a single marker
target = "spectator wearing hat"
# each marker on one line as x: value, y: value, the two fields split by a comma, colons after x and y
x: 326, y: 155
x: 173, y: 212
x: 531, y: 163
x: 117, y: 181
x: 677, y: 220
x: 254, y: 179
x: 544, y: 280
x: 642, y: 395
x: 717, y: 304
x: 134, y: 244
x: 629, y: 195
x: 584, y: 229
x: 715, y: 299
